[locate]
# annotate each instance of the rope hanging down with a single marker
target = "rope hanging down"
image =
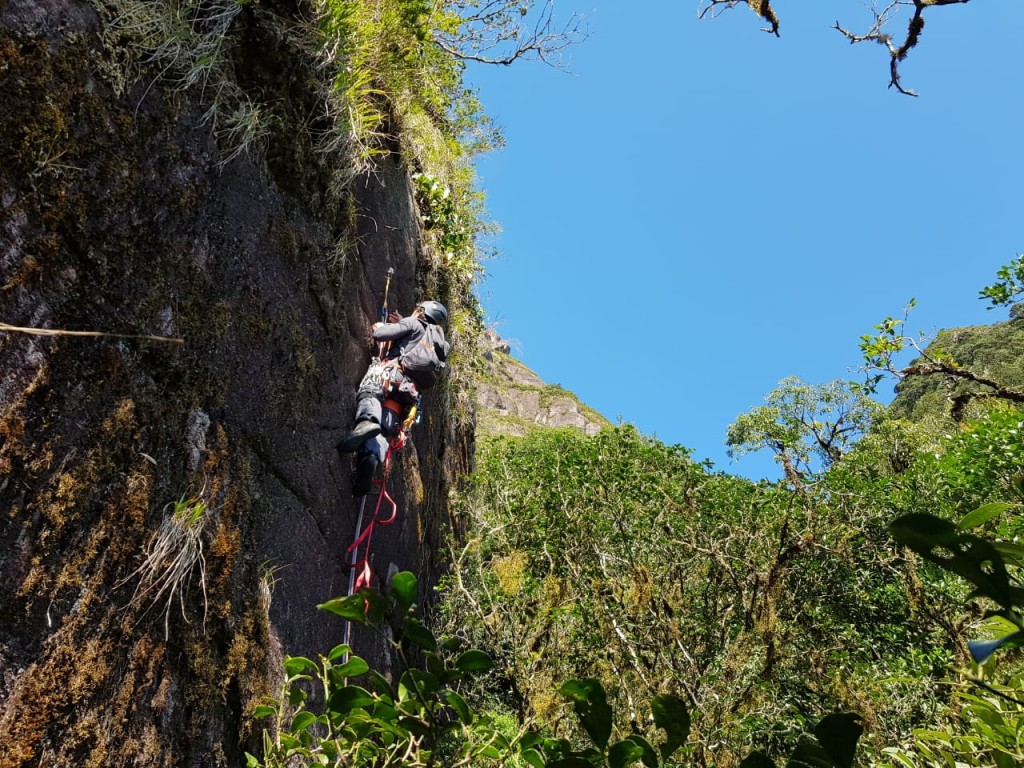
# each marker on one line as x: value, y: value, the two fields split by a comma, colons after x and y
x: 360, y: 573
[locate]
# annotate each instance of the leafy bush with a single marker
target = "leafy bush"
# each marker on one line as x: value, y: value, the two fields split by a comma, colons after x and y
x: 420, y: 720
x: 424, y: 721
x: 619, y: 559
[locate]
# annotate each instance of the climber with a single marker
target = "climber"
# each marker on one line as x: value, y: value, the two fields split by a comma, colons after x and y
x: 414, y: 351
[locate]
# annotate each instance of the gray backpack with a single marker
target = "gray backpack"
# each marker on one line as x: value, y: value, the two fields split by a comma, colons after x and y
x: 424, y: 361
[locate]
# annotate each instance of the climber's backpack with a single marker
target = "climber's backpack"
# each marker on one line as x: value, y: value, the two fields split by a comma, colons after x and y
x: 425, y: 360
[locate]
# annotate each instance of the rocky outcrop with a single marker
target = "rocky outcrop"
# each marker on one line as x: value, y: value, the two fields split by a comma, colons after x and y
x: 122, y: 211
x: 991, y: 352
x: 514, y: 399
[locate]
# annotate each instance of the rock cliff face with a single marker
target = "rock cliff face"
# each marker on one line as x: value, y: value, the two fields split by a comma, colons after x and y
x: 990, y: 351
x: 514, y: 399
x: 120, y: 212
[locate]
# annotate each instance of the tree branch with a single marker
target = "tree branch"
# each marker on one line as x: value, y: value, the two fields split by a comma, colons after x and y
x: 877, y: 33
x: 762, y: 8
x: 504, y: 31
x: 937, y: 367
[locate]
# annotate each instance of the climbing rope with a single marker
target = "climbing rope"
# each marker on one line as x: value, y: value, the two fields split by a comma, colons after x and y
x: 360, y: 573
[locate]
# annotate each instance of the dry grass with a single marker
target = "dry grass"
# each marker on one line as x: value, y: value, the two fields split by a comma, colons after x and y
x: 173, y: 556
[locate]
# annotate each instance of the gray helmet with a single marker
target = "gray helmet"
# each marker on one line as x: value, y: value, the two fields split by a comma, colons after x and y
x: 435, y: 312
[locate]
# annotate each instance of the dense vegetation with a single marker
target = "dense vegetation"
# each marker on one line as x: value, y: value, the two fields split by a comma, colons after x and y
x: 762, y: 605
x: 613, y: 576
x: 635, y: 606
x: 615, y: 566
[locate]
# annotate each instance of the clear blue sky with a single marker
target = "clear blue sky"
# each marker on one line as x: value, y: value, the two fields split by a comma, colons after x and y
x: 699, y: 209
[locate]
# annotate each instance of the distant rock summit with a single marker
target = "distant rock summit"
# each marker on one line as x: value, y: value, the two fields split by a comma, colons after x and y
x: 513, y: 399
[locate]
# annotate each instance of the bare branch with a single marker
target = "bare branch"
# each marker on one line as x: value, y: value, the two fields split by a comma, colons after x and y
x: 93, y: 334
x: 504, y: 31
x: 877, y: 33
x: 762, y: 8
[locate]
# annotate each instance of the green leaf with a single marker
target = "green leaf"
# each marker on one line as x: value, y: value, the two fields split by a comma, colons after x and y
x: 351, y: 608
x: 557, y: 747
x: 296, y: 665
x: 532, y: 758
x: 338, y: 651
x: 385, y: 712
x: 809, y: 755
x: 570, y: 762
x: 581, y: 690
x: 414, y: 725
x: 450, y: 676
x: 1013, y: 554
x: 451, y: 643
x: 624, y: 754
x: 974, y: 559
x: 473, y: 661
x: 251, y: 761
x: 530, y: 739
x: 671, y: 715
x: 838, y: 735
x: 348, y: 698
x: 591, y: 705
x: 289, y: 742
x: 302, y: 721
x: 297, y: 696
x: 425, y: 682
x: 381, y: 684
x: 404, y: 588
x: 354, y: 667
x: 456, y: 702
x: 983, y: 514
x: 264, y: 710
x: 757, y: 759
x: 415, y: 632
x: 648, y: 756
x: 434, y: 664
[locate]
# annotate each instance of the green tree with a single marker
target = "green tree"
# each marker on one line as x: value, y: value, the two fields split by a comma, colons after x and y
x: 1006, y: 290
x: 809, y: 427
x: 617, y: 558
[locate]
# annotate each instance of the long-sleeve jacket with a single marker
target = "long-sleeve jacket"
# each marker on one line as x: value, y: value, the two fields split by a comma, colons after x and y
x: 402, y: 335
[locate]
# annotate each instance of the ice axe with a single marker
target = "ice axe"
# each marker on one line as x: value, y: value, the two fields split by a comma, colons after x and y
x: 387, y: 285
x: 382, y: 348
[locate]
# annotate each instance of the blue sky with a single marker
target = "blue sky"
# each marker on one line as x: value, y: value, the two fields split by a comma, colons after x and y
x: 699, y: 209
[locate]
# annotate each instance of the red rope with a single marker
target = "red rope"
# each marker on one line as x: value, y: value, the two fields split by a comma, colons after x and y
x: 366, y: 535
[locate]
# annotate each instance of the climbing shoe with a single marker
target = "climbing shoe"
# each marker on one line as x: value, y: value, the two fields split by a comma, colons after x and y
x: 362, y: 432
x: 366, y: 466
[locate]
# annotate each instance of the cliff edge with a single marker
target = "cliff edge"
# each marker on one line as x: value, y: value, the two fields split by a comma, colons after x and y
x: 513, y: 399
